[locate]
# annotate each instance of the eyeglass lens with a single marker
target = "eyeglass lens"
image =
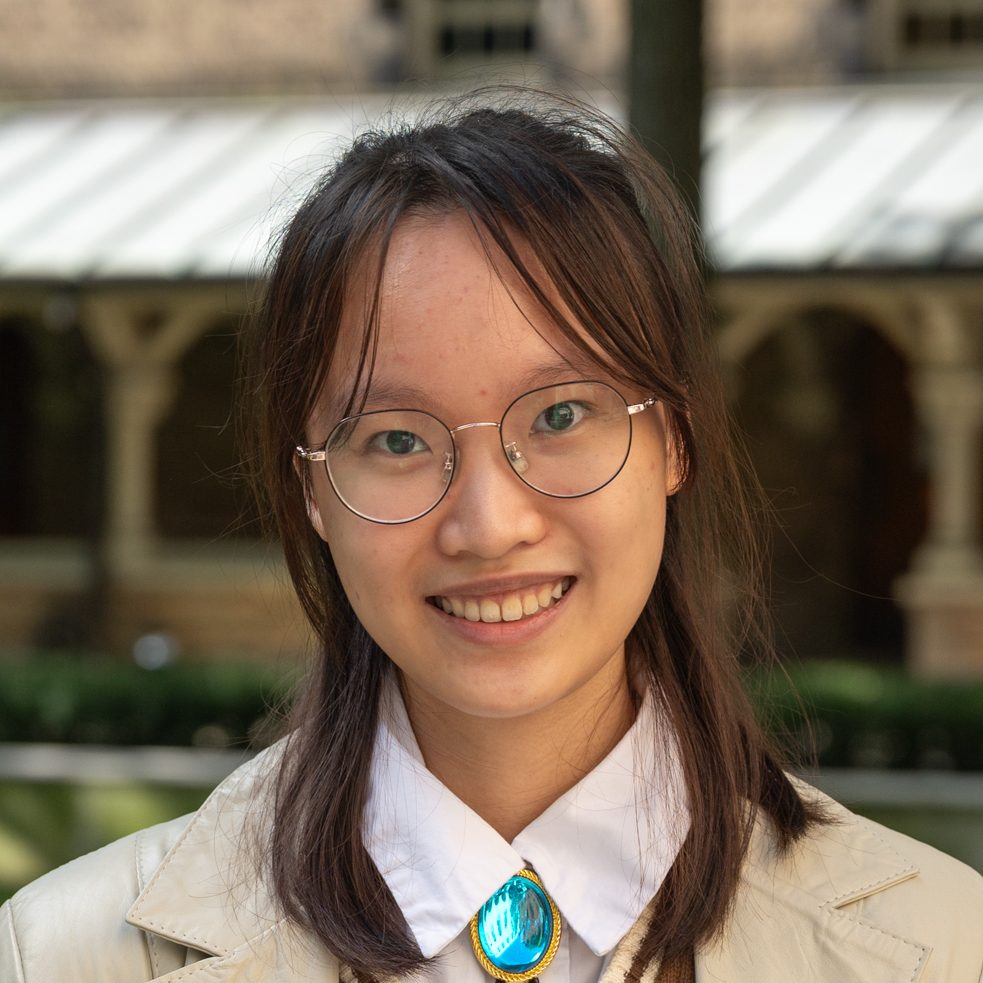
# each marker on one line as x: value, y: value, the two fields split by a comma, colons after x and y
x: 396, y: 465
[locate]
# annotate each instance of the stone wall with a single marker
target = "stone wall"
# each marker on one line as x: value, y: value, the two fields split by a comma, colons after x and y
x: 760, y: 42
x: 175, y: 47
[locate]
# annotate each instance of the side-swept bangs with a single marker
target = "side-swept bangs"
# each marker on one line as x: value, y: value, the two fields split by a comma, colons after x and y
x: 614, y: 245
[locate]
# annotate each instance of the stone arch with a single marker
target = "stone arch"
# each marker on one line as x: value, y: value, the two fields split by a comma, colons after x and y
x: 750, y: 324
x: 826, y: 400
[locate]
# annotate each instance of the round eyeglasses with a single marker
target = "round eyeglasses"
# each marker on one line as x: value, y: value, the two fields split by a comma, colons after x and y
x: 394, y: 466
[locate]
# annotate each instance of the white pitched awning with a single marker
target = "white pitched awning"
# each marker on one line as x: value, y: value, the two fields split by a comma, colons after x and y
x: 161, y: 191
x: 794, y: 180
x: 861, y: 177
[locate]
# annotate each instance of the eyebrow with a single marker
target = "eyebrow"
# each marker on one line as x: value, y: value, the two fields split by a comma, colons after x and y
x: 384, y: 394
x: 391, y: 394
x: 562, y: 370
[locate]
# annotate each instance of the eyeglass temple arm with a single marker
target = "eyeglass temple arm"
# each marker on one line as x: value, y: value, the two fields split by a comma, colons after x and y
x: 306, y: 455
x: 640, y: 407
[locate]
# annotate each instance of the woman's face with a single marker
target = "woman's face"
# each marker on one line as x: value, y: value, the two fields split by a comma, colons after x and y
x: 453, y: 342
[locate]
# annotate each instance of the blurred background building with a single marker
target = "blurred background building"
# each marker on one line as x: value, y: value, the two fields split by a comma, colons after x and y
x: 148, y: 152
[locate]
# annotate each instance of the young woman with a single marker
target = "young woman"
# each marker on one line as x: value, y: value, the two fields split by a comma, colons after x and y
x: 494, y: 446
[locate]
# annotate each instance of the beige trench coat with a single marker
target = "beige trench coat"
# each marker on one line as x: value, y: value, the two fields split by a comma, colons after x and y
x: 853, y: 903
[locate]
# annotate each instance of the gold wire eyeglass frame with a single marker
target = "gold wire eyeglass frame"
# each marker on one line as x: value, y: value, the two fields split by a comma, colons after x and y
x: 512, y: 453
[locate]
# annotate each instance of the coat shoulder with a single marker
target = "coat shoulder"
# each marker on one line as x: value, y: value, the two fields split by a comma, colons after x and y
x: 942, y: 875
x: 897, y: 885
x: 849, y: 901
x: 70, y: 924
x: 940, y: 905
x: 872, y: 857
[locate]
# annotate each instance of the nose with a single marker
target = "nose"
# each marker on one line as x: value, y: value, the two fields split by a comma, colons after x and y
x: 488, y: 511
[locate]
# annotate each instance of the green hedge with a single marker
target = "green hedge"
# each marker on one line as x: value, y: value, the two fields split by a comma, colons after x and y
x: 73, y: 699
x: 862, y: 716
x: 858, y: 715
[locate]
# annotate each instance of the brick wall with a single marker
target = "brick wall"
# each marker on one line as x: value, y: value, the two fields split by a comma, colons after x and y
x: 764, y: 42
x: 173, y: 47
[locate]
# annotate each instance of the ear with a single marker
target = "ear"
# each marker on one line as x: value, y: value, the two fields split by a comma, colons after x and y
x: 310, y: 499
x: 314, y: 513
x: 676, y: 469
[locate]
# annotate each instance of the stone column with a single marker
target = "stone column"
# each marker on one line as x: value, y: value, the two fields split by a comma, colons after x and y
x: 139, y: 347
x: 138, y: 395
x: 950, y: 405
x: 943, y: 593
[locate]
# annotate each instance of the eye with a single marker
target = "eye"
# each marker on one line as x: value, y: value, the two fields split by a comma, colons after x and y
x: 559, y: 417
x: 399, y: 443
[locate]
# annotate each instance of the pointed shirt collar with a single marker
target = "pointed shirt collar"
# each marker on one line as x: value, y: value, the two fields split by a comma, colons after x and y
x: 602, y: 849
x: 790, y: 915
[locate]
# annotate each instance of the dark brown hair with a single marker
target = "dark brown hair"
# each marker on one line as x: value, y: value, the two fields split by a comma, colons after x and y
x: 620, y: 252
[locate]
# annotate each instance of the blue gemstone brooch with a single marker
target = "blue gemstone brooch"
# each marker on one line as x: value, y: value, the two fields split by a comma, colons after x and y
x: 516, y: 932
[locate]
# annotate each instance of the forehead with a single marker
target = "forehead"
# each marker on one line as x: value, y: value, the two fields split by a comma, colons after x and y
x: 452, y: 316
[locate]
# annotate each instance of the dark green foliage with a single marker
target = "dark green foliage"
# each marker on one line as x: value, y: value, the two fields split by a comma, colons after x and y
x: 70, y: 699
x: 861, y: 716
x: 854, y: 715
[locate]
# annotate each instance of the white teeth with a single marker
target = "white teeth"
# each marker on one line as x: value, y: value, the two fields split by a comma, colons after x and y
x: 513, y: 606
x: 511, y: 609
x: 490, y: 612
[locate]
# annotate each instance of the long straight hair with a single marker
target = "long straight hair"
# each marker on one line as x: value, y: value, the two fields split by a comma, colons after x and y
x: 612, y: 241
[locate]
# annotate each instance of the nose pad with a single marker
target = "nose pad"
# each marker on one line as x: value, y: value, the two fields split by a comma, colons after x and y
x: 516, y: 458
x: 448, y: 471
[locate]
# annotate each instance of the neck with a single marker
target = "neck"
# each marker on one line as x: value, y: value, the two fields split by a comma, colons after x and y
x: 486, y: 762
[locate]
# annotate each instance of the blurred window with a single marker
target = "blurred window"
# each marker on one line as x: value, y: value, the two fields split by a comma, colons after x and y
x: 449, y: 36
x: 927, y: 34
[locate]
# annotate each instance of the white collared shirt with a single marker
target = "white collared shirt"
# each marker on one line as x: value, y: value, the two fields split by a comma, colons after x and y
x: 602, y: 849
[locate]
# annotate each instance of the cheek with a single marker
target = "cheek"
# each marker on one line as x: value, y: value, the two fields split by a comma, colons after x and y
x: 636, y: 526
x: 645, y: 476
x: 357, y: 567
x: 375, y: 563
x: 625, y: 537
x: 372, y: 565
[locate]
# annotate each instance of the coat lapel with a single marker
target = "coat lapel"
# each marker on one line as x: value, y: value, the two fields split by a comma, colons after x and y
x: 206, y: 896
x: 794, y: 917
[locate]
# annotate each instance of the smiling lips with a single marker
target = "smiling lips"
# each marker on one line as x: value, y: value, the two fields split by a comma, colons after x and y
x: 508, y: 606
